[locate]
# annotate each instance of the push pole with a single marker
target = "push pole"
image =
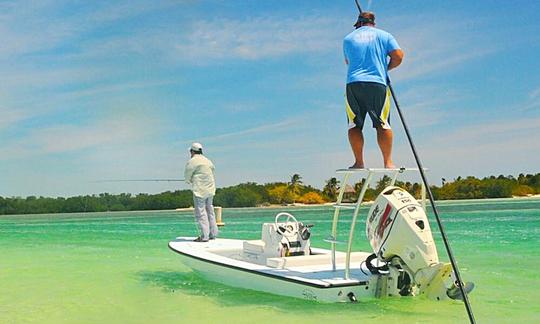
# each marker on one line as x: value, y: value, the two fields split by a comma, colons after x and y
x: 430, y: 196
x: 432, y: 201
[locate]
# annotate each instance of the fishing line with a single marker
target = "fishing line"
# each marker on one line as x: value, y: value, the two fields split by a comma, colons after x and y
x: 140, y: 180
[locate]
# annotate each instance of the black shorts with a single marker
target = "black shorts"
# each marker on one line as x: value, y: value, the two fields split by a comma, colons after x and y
x: 367, y: 98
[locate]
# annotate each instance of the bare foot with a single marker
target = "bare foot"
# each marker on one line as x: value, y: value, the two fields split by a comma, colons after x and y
x: 357, y: 166
x: 390, y: 165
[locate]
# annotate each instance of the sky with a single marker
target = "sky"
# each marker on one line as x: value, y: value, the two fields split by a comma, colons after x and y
x: 94, y: 90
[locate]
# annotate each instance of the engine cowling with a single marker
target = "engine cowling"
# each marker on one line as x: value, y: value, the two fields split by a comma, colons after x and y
x: 399, y: 233
x: 398, y: 226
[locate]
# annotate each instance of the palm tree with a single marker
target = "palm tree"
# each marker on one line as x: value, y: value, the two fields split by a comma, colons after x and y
x: 296, y: 182
x: 331, y: 188
x: 296, y: 179
x: 382, y: 183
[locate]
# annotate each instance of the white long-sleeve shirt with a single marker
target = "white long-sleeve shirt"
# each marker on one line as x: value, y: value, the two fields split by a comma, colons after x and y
x: 199, y: 172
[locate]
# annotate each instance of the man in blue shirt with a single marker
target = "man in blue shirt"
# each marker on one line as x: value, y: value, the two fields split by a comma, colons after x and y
x: 366, y: 51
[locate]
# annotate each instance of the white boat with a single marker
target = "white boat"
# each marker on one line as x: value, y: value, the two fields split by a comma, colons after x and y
x: 404, y: 260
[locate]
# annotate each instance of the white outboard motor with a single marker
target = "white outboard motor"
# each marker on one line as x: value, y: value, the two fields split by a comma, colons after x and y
x: 399, y: 233
x: 397, y: 225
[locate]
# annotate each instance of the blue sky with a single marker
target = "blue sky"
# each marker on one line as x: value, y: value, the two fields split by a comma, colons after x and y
x: 95, y: 90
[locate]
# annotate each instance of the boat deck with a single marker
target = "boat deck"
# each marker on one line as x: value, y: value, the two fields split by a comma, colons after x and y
x: 314, y: 270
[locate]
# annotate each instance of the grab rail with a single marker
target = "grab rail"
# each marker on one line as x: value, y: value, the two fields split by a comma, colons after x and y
x: 338, y: 206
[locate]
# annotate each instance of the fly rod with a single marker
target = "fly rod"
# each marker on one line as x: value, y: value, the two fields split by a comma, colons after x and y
x: 141, y: 180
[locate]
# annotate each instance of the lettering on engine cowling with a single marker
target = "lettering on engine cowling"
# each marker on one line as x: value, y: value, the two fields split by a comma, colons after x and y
x: 384, y: 221
x: 374, y: 213
x: 371, y: 219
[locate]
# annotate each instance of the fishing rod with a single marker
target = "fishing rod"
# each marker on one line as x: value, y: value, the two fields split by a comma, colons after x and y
x: 140, y: 180
x: 431, y: 198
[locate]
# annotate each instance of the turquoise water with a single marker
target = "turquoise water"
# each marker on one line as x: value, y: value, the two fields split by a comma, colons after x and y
x: 117, y: 268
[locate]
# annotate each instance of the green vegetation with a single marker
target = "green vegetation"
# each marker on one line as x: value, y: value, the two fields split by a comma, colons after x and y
x: 252, y: 194
x: 489, y: 187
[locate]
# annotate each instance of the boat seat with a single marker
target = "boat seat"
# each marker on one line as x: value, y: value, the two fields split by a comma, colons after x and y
x: 254, y: 246
x: 313, y: 259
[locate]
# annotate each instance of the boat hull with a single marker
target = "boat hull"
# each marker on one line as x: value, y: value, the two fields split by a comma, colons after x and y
x: 270, y: 281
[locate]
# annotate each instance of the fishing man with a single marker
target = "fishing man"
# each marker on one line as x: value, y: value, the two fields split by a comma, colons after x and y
x: 199, y: 172
x: 366, y: 51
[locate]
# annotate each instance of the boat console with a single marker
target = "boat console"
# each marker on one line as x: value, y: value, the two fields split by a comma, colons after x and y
x: 285, y: 237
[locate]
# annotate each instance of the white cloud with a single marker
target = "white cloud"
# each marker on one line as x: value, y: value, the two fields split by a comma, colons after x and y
x: 69, y: 137
x: 486, y: 148
x: 9, y: 117
x: 257, y: 38
x: 426, y: 105
x: 534, y: 93
x: 20, y: 79
x: 494, y: 132
x: 114, y: 11
x: 241, y: 106
x: 533, y: 102
x: 437, y: 46
x: 269, y: 129
x: 114, y: 88
x: 27, y: 27
x: 34, y: 26
x: 44, y: 102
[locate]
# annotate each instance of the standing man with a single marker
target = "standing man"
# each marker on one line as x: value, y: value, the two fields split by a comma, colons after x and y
x: 199, y: 173
x: 366, y: 52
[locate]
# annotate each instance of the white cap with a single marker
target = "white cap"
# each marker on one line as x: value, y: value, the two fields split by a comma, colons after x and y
x: 196, y: 147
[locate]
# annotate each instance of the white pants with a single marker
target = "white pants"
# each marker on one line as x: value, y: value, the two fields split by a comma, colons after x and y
x: 205, y: 217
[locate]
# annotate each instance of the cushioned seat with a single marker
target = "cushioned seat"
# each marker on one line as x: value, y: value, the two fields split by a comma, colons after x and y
x: 254, y: 246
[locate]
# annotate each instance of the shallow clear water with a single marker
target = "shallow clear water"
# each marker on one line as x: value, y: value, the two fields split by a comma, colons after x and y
x: 116, y: 267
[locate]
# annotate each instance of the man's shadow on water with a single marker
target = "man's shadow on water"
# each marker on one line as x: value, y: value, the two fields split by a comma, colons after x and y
x: 193, y: 284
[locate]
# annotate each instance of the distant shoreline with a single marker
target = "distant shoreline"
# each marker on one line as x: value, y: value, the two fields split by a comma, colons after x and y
x: 367, y: 203
x: 275, y: 206
x: 526, y: 197
x: 275, y: 195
